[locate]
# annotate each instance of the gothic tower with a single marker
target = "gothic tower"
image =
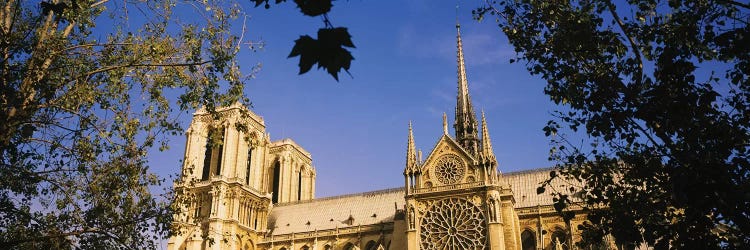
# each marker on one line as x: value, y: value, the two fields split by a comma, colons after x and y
x: 455, y: 198
x: 232, y: 176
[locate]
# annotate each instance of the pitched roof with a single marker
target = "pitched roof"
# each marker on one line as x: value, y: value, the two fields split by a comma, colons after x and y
x: 332, y: 212
x: 525, y: 183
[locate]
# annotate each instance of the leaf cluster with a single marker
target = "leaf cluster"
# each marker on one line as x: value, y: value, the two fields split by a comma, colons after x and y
x: 329, y: 50
x: 661, y: 90
x: 88, y: 89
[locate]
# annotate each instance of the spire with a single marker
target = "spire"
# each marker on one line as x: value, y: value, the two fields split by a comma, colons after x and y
x: 466, y: 122
x: 486, y: 143
x: 419, y: 156
x: 411, y: 152
x: 445, y: 123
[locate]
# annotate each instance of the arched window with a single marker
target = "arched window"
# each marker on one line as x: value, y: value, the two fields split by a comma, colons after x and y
x: 276, y: 175
x: 207, y: 161
x: 327, y: 247
x: 349, y: 246
x: 528, y: 240
x: 559, y: 235
x: 371, y: 245
x: 305, y: 247
x: 220, y: 151
x: 299, y: 185
x: 202, y: 205
x: 213, y: 155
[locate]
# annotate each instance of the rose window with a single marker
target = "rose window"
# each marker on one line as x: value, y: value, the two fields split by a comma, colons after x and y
x: 453, y: 223
x: 449, y: 169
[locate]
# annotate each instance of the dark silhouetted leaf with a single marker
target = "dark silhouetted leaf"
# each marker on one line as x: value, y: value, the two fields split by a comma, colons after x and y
x: 327, y: 51
x: 314, y: 7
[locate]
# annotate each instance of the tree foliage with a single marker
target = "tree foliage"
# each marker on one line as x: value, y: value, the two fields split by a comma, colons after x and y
x: 662, y: 91
x: 329, y: 49
x: 87, y: 88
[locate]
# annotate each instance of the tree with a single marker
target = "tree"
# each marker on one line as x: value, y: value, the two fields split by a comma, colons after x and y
x: 88, y: 87
x: 661, y: 90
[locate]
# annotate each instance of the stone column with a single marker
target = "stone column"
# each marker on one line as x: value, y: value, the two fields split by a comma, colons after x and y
x: 312, y: 190
x: 218, y: 210
x: 406, y: 183
x: 287, y: 173
x: 508, y: 229
x: 237, y: 167
x: 517, y: 229
x: 226, y: 155
x: 283, y: 179
x: 495, y: 225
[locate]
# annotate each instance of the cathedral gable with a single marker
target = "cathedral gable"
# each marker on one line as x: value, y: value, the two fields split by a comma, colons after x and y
x: 448, y: 164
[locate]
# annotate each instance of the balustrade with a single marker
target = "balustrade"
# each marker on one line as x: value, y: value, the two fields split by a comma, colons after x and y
x: 447, y: 187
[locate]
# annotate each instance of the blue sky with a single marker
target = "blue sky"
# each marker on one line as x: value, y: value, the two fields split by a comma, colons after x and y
x: 404, y: 70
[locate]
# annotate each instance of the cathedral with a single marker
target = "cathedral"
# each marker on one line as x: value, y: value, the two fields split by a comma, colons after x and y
x: 246, y: 191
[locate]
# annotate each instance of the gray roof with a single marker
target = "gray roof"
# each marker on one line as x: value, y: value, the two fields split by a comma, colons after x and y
x: 380, y: 206
x: 332, y: 212
x: 524, y: 185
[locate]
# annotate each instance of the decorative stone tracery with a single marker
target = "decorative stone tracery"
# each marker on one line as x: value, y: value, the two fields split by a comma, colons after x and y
x: 449, y: 169
x: 453, y: 223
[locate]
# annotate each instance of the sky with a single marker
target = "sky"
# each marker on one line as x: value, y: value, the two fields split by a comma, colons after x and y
x: 404, y: 70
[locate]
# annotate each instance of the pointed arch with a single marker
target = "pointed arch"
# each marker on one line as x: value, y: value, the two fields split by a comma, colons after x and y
x: 371, y: 245
x: 248, y: 245
x: 276, y: 178
x: 559, y: 234
x: 349, y: 246
x: 213, y: 155
x: 299, y: 184
x: 528, y: 240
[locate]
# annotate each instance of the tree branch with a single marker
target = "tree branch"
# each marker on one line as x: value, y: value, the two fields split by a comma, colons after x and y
x: 86, y: 230
x: 743, y: 5
x: 633, y: 44
x: 105, y: 69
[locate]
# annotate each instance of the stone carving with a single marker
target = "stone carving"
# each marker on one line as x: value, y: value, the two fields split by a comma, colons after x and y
x: 492, y: 206
x: 477, y: 200
x: 453, y: 223
x: 423, y: 205
x: 449, y: 169
x: 411, y: 216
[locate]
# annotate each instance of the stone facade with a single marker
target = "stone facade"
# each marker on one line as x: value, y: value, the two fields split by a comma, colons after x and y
x: 232, y: 174
x: 248, y: 192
